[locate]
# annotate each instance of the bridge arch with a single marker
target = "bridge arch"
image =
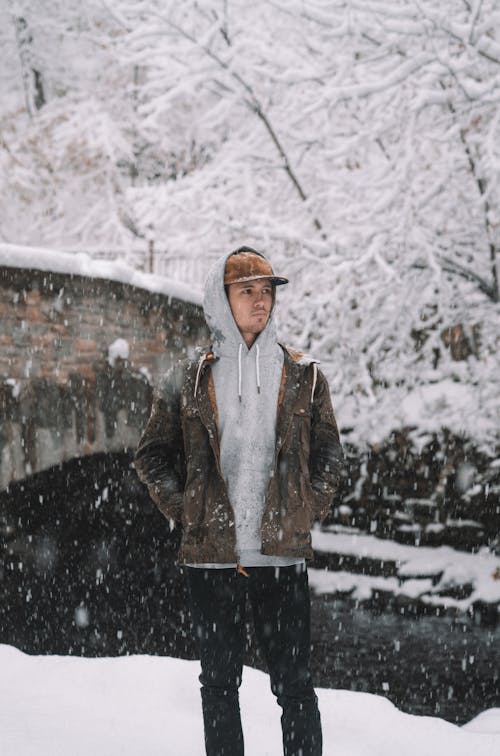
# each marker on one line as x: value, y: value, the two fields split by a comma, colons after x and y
x: 78, y: 357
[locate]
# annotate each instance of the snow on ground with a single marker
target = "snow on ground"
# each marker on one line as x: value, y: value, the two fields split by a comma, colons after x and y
x: 80, y: 264
x: 147, y: 706
x: 414, y: 565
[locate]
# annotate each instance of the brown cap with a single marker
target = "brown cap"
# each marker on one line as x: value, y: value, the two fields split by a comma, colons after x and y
x: 245, y: 264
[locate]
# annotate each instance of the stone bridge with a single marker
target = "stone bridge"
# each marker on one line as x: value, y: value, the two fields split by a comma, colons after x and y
x: 78, y: 357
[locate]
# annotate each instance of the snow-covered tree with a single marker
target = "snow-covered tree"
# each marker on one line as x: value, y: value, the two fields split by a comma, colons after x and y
x: 355, y: 142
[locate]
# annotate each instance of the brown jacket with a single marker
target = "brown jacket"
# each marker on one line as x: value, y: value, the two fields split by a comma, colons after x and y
x: 178, y: 459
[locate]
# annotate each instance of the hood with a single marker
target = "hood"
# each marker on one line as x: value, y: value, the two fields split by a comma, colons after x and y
x: 225, y: 335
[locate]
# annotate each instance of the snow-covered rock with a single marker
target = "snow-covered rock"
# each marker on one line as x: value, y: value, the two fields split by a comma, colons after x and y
x: 430, y: 574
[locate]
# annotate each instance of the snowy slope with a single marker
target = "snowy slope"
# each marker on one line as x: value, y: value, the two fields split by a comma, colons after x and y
x: 141, y: 705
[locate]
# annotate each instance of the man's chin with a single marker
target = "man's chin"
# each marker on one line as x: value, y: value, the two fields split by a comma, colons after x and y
x: 258, y: 327
x: 255, y: 330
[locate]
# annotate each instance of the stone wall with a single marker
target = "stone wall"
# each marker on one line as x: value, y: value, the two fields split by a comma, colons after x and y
x: 61, y: 396
x: 444, y: 493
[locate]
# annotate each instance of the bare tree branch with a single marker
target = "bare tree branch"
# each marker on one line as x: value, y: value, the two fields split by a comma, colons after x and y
x: 492, y: 290
x: 225, y: 24
x: 451, y: 266
x: 253, y: 103
x: 477, y: 12
x: 481, y: 186
x: 34, y: 94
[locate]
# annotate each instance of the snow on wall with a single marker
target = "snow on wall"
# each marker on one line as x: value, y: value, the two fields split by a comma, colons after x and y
x: 80, y: 264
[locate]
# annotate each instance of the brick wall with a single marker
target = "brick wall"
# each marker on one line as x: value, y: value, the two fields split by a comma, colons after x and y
x: 59, y: 396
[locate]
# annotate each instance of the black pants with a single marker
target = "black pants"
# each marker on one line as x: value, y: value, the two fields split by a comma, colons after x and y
x: 279, y: 598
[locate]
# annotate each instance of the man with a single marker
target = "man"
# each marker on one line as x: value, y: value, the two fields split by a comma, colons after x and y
x: 242, y: 451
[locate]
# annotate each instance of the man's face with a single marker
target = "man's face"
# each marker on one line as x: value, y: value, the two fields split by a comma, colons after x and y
x: 251, y: 304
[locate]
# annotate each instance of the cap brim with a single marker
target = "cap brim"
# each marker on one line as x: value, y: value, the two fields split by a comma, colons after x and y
x: 275, y: 280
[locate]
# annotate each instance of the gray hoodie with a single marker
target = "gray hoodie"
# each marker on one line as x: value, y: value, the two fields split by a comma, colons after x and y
x: 247, y: 383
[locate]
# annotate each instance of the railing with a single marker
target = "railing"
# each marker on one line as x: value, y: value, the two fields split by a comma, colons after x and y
x: 151, y: 259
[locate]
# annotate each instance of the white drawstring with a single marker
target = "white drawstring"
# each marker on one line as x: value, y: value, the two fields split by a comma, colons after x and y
x: 200, y: 365
x: 315, y: 378
x: 239, y: 371
x: 257, y: 367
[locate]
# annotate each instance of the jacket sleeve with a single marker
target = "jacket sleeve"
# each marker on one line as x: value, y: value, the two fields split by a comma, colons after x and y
x: 326, y: 456
x: 159, y: 459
